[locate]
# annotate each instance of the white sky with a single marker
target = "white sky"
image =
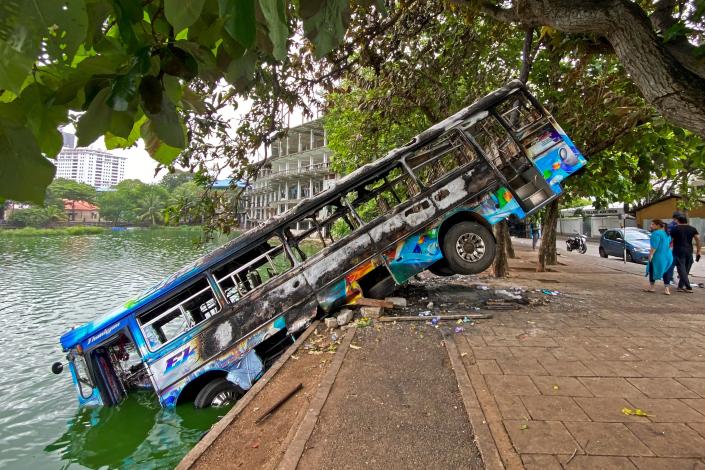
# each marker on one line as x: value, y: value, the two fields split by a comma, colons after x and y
x: 141, y: 166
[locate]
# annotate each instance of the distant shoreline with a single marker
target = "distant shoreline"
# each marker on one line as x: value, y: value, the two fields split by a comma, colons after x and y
x: 81, y: 230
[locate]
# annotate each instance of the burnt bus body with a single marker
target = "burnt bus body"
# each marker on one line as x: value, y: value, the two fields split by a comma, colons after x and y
x: 427, y: 205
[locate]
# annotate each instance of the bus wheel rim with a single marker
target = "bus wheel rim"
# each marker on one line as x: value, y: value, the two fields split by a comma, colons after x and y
x: 470, y: 247
x: 224, y: 398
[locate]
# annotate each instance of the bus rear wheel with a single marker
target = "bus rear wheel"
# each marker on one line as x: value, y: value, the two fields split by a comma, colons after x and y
x: 218, y: 393
x: 469, y: 248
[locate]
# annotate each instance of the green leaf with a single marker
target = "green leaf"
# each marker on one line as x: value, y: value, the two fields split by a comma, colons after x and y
x: 172, y: 88
x: 167, y: 125
x: 325, y: 23
x: 241, y: 71
x: 274, y: 12
x: 113, y: 141
x: 205, y: 60
x: 67, y: 25
x: 124, y: 90
x: 100, y: 118
x: 14, y: 67
x: 161, y: 152
x: 24, y: 172
x: 43, y: 118
x: 182, y: 13
x: 240, y: 21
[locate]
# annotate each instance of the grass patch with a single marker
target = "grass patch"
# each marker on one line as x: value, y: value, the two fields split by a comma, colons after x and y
x: 33, y: 232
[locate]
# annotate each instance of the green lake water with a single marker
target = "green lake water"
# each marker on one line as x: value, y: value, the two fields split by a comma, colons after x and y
x: 47, y: 285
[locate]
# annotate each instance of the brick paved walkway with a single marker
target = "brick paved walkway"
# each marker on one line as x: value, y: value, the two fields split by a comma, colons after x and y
x: 552, y: 382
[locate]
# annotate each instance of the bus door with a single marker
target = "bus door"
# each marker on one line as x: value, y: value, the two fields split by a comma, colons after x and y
x: 506, y: 154
x: 118, y: 368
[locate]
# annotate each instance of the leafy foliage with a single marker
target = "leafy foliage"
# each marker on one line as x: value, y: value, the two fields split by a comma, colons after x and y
x: 153, y: 69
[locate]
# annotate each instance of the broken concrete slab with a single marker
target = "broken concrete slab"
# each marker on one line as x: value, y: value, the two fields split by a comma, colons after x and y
x: 397, y: 301
x: 372, y: 312
x: 344, y: 317
x: 331, y: 322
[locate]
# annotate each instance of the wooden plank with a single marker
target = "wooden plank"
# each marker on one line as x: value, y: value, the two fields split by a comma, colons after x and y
x: 471, y: 316
x: 279, y: 403
x: 364, y: 301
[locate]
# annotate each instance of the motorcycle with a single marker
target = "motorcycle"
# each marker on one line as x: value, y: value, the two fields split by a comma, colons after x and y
x: 577, y: 243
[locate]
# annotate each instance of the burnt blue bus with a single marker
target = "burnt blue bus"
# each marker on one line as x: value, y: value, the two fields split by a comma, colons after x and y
x: 203, y: 334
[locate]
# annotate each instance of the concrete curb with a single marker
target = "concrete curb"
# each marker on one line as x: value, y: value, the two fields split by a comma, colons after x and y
x: 194, y: 454
x: 296, y: 448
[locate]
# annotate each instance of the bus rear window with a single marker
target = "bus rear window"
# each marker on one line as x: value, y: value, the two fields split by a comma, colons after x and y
x: 178, y: 314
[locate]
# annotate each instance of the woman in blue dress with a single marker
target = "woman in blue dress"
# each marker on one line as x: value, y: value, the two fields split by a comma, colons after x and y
x: 660, y: 257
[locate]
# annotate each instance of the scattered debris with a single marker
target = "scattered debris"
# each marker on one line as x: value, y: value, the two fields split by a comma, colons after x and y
x: 334, y: 336
x: 435, y: 320
x: 469, y: 316
x: 425, y: 313
x: 331, y: 322
x: 634, y: 412
x: 372, y: 312
x: 550, y: 292
x: 397, y: 301
x: 279, y: 403
x: 430, y: 305
x: 354, y: 346
x: 524, y: 427
x: 459, y: 329
x: 363, y: 322
x: 506, y: 294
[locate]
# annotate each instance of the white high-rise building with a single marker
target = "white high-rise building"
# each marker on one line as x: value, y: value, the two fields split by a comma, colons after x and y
x: 98, y: 168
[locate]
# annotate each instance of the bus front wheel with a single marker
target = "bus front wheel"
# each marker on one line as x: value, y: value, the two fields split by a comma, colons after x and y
x: 218, y: 393
x: 469, y: 248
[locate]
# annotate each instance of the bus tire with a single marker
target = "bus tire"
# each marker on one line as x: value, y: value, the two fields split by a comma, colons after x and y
x: 440, y: 268
x: 469, y: 248
x: 218, y: 392
x: 383, y: 288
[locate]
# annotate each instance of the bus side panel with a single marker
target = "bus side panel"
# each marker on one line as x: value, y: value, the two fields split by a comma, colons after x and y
x: 294, y: 320
x: 413, y: 255
x: 554, y: 154
x: 225, y: 331
x: 497, y: 205
x: 328, y: 265
x: 346, y: 290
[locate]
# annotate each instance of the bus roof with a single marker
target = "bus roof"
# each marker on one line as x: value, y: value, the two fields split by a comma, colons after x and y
x: 258, y: 235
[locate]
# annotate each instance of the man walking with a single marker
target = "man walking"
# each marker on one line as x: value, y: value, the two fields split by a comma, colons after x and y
x: 683, y: 235
x: 534, y: 233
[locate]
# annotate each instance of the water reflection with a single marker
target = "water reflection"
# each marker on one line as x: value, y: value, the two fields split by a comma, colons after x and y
x: 49, y: 284
x: 137, y: 433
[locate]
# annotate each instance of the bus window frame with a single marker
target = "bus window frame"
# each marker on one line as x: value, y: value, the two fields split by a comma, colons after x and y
x: 237, y: 285
x: 457, y: 171
x: 182, y: 311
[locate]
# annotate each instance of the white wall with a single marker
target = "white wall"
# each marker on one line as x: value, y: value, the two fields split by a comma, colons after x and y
x: 570, y: 225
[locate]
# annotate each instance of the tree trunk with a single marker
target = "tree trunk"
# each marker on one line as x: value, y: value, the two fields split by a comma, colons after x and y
x: 547, y: 251
x: 675, y: 88
x: 501, y: 266
x: 508, y: 241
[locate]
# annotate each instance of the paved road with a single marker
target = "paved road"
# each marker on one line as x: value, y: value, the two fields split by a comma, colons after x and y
x: 697, y: 272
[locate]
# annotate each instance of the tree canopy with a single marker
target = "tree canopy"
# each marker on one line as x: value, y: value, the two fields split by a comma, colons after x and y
x: 155, y: 69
